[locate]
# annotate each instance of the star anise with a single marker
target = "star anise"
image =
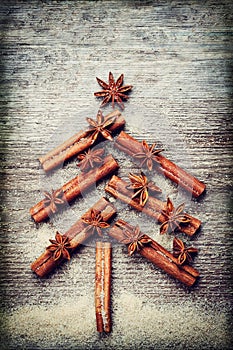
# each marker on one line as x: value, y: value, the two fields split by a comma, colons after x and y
x: 182, y: 253
x: 174, y: 217
x: 95, y: 222
x: 136, y: 240
x: 148, y: 155
x: 60, y: 247
x: 90, y: 158
x: 113, y: 90
x: 53, y: 199
x: 99, y: 126
x: 140, y: 184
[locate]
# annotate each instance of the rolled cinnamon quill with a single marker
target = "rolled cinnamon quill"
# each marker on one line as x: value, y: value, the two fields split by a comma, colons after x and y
x: 72, y: 189
x: 154, y: 252
x: 94, y: 220
x: 153, y: 208
x: 103, y: 286
x: 83, y: 140
x: 137, y: 150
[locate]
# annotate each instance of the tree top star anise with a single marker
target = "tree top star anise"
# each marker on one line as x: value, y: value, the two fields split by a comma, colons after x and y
x: 182, y: 253
x: 140, y: 184
x: 89, y: 159
x: 113, y: 90
x: 99, y: 126
x: 174, y: 217
x: 136, y: 240
x: 53, y: 199
x: 95, y: 222
x: 148, y: 155
x: 60, y: 247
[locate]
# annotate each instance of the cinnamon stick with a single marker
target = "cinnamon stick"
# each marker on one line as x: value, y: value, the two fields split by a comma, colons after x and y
x: 76, y: 235
x: 158, y: 255
x: 103, y: 286
x: 74, y: 188
x: 130, y: 146
x: 118, y: 188
x: 76, y: 144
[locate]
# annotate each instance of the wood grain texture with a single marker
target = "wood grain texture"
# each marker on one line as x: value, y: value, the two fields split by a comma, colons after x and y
x: 178, y: 57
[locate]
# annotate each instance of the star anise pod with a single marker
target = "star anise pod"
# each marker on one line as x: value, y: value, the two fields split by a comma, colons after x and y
x: 99, y: 126
x: 182, y: 253
x: 136, y: 240
x: 148, y: 155
x: 60, y: 247
x: 140, y: 184
x: 53, y: 199
x: 90, y: 158
x: 113, y: 91
x: 174, y: 217
x: 95, y: 221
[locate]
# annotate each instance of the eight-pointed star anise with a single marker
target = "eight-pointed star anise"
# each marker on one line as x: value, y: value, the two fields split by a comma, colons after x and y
x: 90, y: 158
x: 174, y: 217
x: 95, y: 221
x: 182, y: 253
x: 99, y: 126
x: 140, y: 184
x: 135, y: 239
x: 60, y: 247
x: 148, y: 155
x: 53, y: 199
x: 113, y: 90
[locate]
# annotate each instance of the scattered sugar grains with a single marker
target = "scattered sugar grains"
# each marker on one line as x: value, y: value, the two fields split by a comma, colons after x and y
x: 49, y: 325
x: 135, y: 323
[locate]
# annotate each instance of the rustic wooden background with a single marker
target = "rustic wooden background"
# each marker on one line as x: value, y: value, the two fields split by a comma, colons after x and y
x: 178, y: 57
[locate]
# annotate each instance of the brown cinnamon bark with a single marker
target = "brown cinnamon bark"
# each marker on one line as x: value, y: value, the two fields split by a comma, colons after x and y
x: 159, y: 256
x: 130, y: 146
x: 117, y: 187
x: 75, y: 187
x: 77, y: 235
x: 76, y: 144
x: 103, y: 286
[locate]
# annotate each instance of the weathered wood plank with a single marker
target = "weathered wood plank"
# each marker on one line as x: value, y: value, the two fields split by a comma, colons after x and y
x: 178, y: 57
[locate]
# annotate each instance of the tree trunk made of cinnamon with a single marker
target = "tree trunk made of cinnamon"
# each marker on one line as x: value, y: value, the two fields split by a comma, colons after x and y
x: 103, y: 286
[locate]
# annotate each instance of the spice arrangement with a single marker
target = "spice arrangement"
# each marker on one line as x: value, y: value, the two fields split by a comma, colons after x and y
x: 152, y: 159
x: 138, y: 192
x: 155, y: 208
x: 72, y: 189
x: 93, y: 221
x: 103, y: 127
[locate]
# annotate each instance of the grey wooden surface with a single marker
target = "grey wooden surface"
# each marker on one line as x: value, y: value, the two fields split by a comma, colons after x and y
x: 178, y: 57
